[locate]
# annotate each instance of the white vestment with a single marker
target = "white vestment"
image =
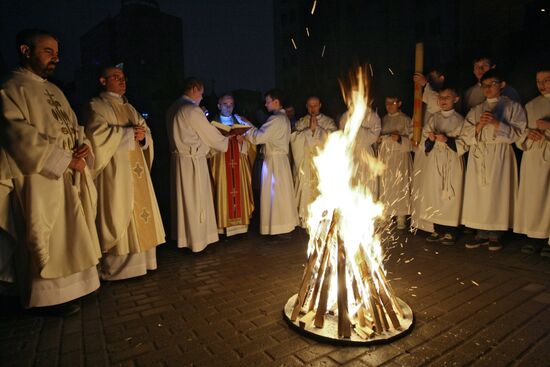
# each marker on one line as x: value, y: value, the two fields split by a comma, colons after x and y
x: 491, y: 184
x: 278, y: 213
x: 532, y: 216
x: 191, y: 138
x: 395, y: 180
x: 56, y: 210
x: 304, y: 144
x: 363, y: 153
x: 128, y: 221
x: 443, y: 174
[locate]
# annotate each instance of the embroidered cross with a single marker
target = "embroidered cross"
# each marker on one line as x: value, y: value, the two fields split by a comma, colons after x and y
x: 145, y: 215
x: 138, y: 170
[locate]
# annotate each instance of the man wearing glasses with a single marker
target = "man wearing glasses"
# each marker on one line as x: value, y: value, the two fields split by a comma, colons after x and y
x: 128, y: 218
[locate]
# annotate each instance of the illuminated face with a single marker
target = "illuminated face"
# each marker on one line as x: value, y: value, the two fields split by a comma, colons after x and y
x: 392, y: 105
x: 313, y: 106
x: 43, y: 57
x: 446, y: 99
x: 543, y: 82
x: 226, y: 105
x: 272, y: 104
x: 481, y: 67
x: 492, y: 87
x: 114, y: 81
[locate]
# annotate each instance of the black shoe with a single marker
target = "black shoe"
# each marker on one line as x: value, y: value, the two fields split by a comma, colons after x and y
x: 434, y: 237
x: 62, y: 310
x: 448, y: 239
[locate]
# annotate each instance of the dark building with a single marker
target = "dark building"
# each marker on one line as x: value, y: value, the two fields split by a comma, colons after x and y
x: 148, y: 42
x: 313, y: 50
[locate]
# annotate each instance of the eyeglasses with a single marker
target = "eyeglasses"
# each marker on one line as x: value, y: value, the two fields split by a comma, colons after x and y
x: 489, y: 85
x: 118, y: 78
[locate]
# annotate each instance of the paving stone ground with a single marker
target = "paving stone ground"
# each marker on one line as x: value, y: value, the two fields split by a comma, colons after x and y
x: 223, y: 307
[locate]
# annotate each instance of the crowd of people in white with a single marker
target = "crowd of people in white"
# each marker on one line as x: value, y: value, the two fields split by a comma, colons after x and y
x: 77, y: 202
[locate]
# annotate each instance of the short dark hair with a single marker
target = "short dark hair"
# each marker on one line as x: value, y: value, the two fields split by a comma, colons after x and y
x: 276, y: 93
x: 104, y: 69
x: 493, y: 73
x: 225, y: 95
x: 483, y: 57
x: 190, y: 83
x: 542, y: 68
x: 29, y: 37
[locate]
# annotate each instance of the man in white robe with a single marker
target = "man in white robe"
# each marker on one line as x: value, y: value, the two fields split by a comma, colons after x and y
x: 56, y: 198
x: 364, y: 154
x: 394, y: 151
x: 491, y: 185
x: 231, y: 175
x: 191, y: 138
x: 128, y: 218
x: 278, y: 213
x: 311, y: 132
x: 532, y: 215
x: 443, y: 173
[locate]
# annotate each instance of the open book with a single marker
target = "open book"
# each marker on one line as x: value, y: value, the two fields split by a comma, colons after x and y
x: 235, y: 129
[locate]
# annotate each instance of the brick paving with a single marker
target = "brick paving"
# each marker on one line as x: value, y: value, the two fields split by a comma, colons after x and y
x: 223, y: 307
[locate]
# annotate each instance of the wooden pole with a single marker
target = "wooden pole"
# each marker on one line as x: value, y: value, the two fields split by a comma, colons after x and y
x: 344, y: 324
x: 417, y: 107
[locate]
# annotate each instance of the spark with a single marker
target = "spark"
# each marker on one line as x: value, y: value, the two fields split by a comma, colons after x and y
x: 323, y: 51
x: 307, y: 31
x: 476, y: 284
x: 391, y: 71
x: 410, y: 260
x: 294, y: 43
x: 371, y: 72
x: 313, y: 7
x: 419, y: 273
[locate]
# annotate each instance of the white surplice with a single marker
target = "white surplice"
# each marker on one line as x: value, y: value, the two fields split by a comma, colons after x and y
x: 442, y: 189
x: 304, y: 144
x: 191, y: 138
x: 532, y: 215
x: 395, y: 180
x: 491, y: 184
x: 278, y: 213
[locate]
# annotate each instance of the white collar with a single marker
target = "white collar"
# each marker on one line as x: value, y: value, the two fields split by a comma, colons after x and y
x: 447, y: 113
x: 493, y: 100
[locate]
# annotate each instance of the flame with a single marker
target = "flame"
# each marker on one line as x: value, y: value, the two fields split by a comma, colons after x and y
x: 341, y: 195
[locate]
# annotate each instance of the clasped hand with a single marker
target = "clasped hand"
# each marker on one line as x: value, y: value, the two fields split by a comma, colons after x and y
x: 78, y: 163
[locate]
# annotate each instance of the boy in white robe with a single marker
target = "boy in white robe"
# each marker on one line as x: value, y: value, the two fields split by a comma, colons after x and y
x: 394, y: 151
x: 278, y: 211
x: 443, y: 173
x: 533, y: 209
x: 491, y: 184
x: 431, y: 83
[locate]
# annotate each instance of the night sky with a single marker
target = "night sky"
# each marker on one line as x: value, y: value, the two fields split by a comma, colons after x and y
x: 216, y: 33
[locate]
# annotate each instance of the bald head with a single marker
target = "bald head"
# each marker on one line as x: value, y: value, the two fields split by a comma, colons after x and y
x: 313, y: 105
